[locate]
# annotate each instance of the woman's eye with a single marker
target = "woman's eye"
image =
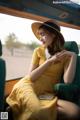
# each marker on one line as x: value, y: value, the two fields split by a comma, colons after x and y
x: 42, y: 34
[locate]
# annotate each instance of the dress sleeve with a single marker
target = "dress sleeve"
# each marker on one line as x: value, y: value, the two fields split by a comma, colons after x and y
x: 35, y: 57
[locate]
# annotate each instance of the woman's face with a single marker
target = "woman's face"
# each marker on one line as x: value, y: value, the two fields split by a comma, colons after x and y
x: 46, y: 37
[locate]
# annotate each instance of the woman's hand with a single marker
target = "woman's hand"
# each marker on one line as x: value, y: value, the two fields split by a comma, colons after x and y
x: 64, y: 53
x: 60, y: 55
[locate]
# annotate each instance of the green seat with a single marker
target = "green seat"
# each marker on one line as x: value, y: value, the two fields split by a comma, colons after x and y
x: 71, y: 46
x: 71, y: 92
x: 2, y: 79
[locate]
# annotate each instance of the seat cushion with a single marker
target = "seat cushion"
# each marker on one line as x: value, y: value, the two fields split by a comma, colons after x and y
x: 68, y: 92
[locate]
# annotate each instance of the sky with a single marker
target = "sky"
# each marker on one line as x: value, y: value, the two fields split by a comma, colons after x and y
x: 22, y: 29
x: 76, y: 1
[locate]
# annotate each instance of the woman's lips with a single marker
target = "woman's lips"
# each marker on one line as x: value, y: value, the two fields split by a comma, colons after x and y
x: 43, y: 42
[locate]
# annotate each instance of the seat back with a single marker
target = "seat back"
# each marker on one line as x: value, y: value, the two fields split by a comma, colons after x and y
x: 70, y: 92
x: 77, y: 74
x: 72, y: 46
x: 73, y: 88
x: 2, y: 79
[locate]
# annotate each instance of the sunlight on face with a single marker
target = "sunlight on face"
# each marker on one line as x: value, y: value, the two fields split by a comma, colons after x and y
x: 45, y: 37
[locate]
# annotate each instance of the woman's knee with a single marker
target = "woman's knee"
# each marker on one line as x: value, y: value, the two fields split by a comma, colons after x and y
x: 75, y: 111
x: 68, y: 108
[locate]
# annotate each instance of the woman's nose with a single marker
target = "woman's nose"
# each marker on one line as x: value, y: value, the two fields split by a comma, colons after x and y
x: 41, y: 39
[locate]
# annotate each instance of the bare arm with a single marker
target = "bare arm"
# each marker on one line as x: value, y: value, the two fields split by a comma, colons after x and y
x: 36, y: 71
x: 70, y: 66
x: 69, y: 70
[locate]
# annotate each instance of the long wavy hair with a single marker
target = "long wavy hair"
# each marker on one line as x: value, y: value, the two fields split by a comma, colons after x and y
x: 57, y: 44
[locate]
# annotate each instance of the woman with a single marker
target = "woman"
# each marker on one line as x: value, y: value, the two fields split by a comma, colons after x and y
x: 49, y: 62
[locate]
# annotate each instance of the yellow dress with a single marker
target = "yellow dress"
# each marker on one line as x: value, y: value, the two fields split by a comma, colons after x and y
x: 24, y: 99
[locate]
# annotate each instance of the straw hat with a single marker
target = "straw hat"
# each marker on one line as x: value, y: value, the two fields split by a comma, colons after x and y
x: 52, y: 24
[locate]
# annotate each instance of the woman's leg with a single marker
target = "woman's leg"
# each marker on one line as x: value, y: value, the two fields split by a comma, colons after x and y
x: 30, y: 102
x: 68, y: 109
x: 23, y: 101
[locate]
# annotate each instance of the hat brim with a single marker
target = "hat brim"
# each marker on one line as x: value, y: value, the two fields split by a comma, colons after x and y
x: 35, y: 27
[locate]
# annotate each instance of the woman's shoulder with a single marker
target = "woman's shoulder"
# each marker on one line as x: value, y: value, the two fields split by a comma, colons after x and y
x: 40, y: 51
x: 39, y: 48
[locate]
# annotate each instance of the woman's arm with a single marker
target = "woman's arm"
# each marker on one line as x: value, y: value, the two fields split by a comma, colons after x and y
x: 70, y: 65
x: 36, y: 71
x: 70, y: 68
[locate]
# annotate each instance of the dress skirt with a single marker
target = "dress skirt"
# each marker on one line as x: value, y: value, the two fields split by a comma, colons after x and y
x: 26, y: 105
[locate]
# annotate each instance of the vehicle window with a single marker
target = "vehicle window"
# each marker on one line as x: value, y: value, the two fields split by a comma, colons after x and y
x: 71, y: 35
x: 19, y: 42
x: 18, y: 45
